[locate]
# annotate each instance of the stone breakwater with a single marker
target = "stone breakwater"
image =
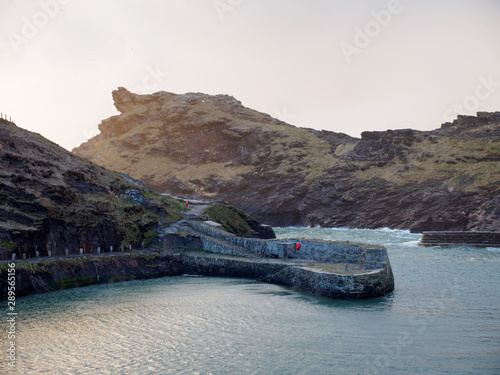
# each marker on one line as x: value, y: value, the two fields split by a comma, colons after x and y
x: 337, y: 270
x: 332, y: 269
x: 372, y: 257
x: 478, y: 239
x: 298, y: 275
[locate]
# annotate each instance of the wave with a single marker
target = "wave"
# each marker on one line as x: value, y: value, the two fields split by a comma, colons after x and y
x: 383, y: 229
x: 493, y: 249
x: 410, y: 244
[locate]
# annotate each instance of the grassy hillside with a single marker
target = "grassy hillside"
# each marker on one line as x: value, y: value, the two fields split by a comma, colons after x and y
x: 213, y: 147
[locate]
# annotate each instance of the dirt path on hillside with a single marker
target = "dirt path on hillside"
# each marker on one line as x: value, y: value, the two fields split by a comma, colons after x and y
x: 194, y: 210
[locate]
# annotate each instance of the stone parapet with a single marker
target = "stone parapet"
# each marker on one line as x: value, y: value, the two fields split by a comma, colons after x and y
x: 321, y: 251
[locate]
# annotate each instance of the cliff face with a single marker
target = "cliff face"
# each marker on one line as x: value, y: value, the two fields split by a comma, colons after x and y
x: 213, y: 147
x: 52, y: 200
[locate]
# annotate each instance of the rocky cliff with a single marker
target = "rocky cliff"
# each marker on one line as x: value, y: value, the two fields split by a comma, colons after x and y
x: 213, y: 147
x: 52, y: 201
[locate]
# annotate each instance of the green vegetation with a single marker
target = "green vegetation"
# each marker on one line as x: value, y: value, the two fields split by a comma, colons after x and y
x: 462, y: 162
x: 30, y: 267
x: 44, y: 266
x: 8, y: 245
x: 309, y: 161
x: 71, y: 282
x: 148, y: 237
x: 136, y: 220
x: 132, y: 219
x: 173, y: 208
x: 33, y: 267
x: 147, y: 256
x: 232, y: 219
x: 69, y: 261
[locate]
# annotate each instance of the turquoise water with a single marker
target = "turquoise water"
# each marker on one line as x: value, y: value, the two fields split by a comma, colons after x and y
x: 443, y: 318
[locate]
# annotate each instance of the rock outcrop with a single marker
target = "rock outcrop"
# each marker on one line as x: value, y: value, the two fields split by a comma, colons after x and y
x: 213, y: 147
x: 53, y: 202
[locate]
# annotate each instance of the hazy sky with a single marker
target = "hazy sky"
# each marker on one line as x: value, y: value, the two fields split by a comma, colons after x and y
x: 341, y: 65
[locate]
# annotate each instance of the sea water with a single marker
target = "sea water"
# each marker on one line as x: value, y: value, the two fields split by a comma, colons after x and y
x: 443, y: 318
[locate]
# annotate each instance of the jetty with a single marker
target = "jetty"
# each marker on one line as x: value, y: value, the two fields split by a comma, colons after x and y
x: 197, y: 246
x: 476, y: 239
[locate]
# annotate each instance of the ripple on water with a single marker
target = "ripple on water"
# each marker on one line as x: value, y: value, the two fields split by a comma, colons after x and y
x: 442, y: 318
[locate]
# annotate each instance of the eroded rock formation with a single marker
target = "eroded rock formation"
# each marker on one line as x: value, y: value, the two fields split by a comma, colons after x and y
x: 213, y: 147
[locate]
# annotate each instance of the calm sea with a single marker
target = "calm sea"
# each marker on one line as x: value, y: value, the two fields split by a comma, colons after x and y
x: 443, y: 318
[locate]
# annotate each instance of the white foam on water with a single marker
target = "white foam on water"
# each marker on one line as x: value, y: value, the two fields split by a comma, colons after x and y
x: 410, y: 244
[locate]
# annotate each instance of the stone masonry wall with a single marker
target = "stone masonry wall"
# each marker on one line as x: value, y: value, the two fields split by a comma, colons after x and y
x: 321, y: 251
x: 358, y: 286
x: 483, y: 239
x: 44, y: 276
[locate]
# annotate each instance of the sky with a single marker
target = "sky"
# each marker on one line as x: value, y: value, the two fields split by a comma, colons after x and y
x: 340, y: 65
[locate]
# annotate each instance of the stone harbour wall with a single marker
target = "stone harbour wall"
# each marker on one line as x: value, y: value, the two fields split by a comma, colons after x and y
x: 331, y: 269
x: 34, y: 277
x: 356, y: 286
x: 209, y: 265
x: 353, y: 286
x: 480, y: 239
x: 322, y: 251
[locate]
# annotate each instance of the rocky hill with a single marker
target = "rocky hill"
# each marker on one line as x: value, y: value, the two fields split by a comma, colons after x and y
x: 213, y: 147
x: 52, y: 200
